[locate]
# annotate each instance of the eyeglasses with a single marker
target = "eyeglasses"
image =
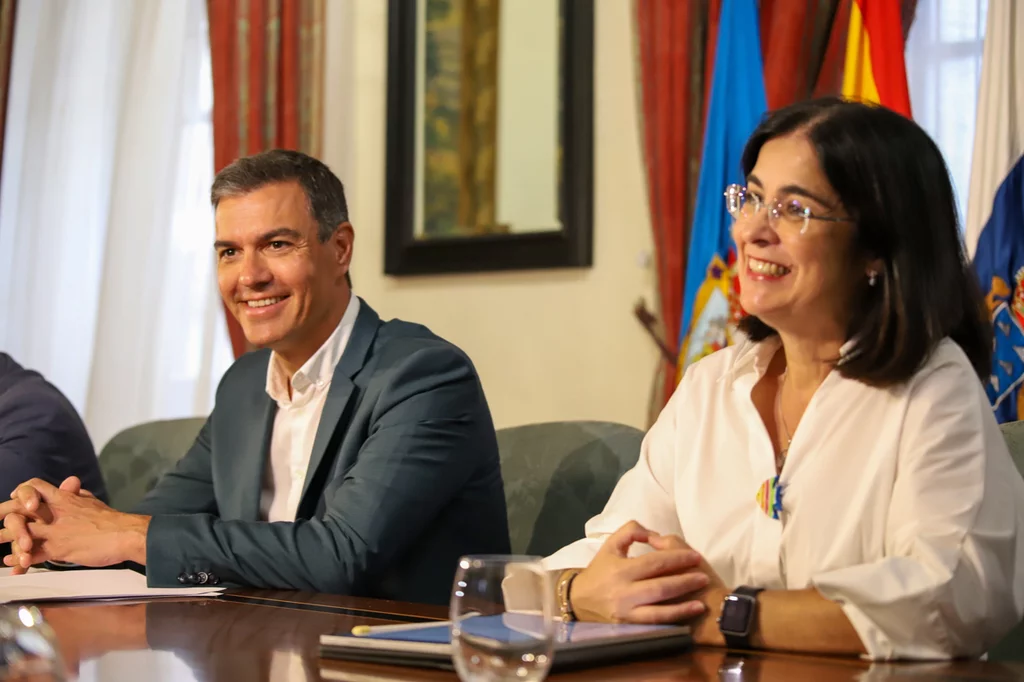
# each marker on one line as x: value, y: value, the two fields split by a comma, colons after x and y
x: 741, y: 203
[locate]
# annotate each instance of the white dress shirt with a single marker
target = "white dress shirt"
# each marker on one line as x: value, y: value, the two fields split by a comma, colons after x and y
x: 297, y: 419
x: 900, y: 504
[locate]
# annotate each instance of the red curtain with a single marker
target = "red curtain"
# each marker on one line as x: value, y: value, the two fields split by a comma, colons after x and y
x: 674, y: 53
x: 267, y: 62
x: 676, y: 45
x: 7, y: 8
x: 794, y: 41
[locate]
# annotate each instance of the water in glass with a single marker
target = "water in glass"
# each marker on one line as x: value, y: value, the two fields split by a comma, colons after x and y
x: 28, y: 646
x: 503, y: 625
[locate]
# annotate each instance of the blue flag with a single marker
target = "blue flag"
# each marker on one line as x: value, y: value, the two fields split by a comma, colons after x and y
x: 995, y: 209
x: 999, y: 264
x: 736, y: 106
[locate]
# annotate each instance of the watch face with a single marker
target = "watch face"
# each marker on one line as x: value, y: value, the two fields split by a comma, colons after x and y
x: 736, y: 613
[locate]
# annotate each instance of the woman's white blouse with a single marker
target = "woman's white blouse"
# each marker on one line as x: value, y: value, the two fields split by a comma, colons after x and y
x: 902, y: 504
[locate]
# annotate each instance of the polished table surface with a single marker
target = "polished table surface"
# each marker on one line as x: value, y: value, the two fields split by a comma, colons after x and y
x: 265, y: 635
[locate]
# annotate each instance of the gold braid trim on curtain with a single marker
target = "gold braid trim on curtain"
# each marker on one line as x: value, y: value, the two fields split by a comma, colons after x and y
x: 271, y: 69
x: 311, y: 77
x: 241, y: 61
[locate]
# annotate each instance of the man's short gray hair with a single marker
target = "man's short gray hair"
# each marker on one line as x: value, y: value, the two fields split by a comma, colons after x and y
x: 325, y: 195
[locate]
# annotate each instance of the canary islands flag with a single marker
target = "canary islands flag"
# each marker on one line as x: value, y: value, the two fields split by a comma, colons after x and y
x: 995, y: 206
x: 736, y: 105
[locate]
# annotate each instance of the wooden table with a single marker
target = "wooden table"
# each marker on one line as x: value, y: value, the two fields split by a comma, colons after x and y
x: 256, y: 635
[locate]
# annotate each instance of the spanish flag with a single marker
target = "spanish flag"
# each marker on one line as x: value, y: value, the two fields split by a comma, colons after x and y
x: 870, y: 49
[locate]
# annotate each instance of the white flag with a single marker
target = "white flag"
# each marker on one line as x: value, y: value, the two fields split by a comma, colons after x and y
x: 999, y: 132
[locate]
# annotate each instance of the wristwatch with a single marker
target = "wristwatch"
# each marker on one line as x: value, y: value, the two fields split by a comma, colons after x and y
x: 565, y: 579
x: 739, y: 614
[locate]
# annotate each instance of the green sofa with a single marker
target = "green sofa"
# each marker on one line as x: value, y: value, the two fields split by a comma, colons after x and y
x: 557, y: 475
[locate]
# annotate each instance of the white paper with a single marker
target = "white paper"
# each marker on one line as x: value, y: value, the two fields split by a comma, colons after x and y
x: 89, y: 584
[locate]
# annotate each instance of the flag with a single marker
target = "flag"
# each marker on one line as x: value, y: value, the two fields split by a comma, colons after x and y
x: 995, y: 206
x: 735, y: 107
x: 874, y: 69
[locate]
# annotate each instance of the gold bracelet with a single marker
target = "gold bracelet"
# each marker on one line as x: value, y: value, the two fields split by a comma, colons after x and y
x: 564, y: 602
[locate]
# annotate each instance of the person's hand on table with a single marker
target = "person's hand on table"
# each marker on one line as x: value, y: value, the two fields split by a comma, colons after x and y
x: 44, y: 523
x: 658, y: 587
x: 15, y: 518
x: 674, y: 543
x: 706, y: 626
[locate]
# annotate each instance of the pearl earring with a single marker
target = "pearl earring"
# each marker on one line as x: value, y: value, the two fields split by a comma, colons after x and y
x: 872, y: 278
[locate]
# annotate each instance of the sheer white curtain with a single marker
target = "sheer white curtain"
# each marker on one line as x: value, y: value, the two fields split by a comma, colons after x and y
x: 943, y: 53
x: 106, y: 265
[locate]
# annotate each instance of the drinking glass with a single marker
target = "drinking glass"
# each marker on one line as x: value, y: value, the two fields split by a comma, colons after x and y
x: 28, y: 646
x: 502, y: 615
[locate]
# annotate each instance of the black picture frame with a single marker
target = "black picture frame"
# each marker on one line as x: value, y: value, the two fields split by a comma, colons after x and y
x: 572, y: 246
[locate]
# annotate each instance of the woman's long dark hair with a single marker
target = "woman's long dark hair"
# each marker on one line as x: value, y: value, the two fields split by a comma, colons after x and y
x: 892, y: 180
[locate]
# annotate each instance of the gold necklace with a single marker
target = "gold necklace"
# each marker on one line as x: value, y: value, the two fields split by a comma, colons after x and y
x: 780, y: 421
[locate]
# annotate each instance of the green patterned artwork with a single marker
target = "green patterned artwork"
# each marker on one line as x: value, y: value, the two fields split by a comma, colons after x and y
x: 489, y: 154
x: 441, y: 117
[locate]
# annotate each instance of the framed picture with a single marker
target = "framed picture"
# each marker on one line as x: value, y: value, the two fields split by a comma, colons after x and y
x: 489, y: 135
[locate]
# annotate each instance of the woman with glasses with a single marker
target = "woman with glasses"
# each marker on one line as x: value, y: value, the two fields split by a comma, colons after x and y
x: 835, y: 482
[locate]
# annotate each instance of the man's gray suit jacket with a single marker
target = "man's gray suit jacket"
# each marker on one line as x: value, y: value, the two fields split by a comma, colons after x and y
x: 403, y: 478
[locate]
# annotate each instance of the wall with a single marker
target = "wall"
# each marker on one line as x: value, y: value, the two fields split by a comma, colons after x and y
x: 549, y: 345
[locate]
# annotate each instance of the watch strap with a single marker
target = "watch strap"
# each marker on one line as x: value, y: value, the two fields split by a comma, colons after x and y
x: 748, y: 591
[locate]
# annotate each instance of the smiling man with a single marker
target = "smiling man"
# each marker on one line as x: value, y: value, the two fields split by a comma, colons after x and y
x: 348, y: 455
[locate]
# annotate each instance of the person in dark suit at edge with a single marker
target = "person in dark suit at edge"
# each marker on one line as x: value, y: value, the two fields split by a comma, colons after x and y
x: 349, y: 455
x: 41, y: 434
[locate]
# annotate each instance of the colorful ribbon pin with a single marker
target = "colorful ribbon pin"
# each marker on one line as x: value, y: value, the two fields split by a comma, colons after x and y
x: 769, y: 497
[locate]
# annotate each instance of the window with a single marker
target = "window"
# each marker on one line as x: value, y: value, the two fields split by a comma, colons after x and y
x: 196, y: 349
x: 944, y: 51
x: 107, y: 286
